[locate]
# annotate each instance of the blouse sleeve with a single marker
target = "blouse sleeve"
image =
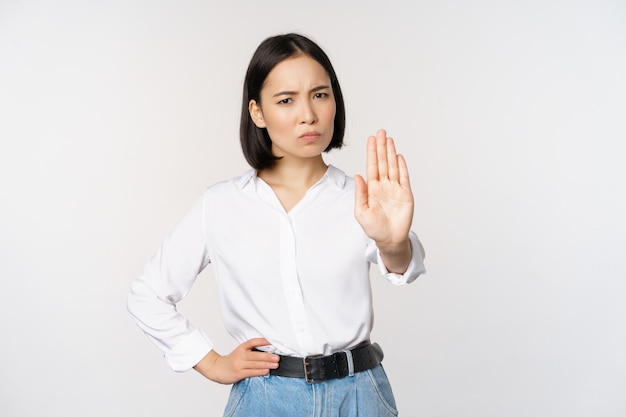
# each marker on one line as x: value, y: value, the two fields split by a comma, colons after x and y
x: 416, y: 266
x: 165, y: 280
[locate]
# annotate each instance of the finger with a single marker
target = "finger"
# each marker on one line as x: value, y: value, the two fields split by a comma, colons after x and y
x: 250, y: 355
x: 381, y: 154
x: 392, y: 160
x: 249, y: 373
x: 360, y: 193
x: 371, y: 166
x: 403, y: 171
x: 260, y: 365
x: 264, y: 358
x: 255, y: 342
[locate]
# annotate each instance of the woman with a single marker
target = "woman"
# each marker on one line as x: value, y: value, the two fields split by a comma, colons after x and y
x: 291, y: 242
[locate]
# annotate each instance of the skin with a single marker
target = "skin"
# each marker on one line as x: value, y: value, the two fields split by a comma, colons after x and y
x: 297, y: 98
x: 384, y: 205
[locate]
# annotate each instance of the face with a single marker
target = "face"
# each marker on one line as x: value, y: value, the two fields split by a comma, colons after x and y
x: 297, y: 107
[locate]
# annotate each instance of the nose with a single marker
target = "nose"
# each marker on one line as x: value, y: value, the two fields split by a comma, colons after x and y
x: 307, y: 113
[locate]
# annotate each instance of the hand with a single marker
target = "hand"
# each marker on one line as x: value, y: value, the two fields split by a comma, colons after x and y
x: 241, y: 363
x: 384, y: 205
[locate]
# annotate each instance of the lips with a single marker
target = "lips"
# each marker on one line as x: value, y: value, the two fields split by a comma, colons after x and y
x: 310, y: 136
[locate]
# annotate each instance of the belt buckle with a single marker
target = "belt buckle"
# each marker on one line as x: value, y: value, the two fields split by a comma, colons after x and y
x: 305, y: 364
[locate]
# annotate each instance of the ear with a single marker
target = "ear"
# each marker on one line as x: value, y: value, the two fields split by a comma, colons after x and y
x: 256, y: 114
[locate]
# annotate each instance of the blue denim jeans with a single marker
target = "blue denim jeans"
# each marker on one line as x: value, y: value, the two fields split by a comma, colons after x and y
x: 366, y: 394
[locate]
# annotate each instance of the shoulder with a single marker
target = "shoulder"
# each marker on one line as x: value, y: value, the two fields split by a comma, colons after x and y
x: 340, y: 179
x: 232, y: 185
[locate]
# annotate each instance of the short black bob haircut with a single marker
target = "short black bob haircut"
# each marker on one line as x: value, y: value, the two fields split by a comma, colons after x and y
x: 255, y: 142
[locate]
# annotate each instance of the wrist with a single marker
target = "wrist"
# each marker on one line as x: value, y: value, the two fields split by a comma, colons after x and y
x: 394, y: 249
x: 207, y: 364
x: 396, y: 257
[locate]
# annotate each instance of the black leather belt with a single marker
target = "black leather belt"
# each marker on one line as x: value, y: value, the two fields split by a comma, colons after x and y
x: 315, y: 369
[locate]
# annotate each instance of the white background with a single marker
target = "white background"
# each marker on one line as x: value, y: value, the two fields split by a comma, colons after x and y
x: 115, y: 115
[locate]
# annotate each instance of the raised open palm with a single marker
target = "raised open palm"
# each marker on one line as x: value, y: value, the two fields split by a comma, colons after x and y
x: 384, y: 204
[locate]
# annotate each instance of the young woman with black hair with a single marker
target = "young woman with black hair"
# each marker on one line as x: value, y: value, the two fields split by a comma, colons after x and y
x: 291, y: 242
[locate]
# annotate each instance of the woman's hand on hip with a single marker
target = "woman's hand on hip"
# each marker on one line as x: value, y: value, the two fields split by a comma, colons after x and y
x: 243, y: 362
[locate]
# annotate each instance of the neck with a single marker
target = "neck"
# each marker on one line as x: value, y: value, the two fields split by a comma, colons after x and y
x: 295, y: 173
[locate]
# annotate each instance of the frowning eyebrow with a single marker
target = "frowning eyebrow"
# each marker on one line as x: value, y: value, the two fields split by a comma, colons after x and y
x: 293, y: 93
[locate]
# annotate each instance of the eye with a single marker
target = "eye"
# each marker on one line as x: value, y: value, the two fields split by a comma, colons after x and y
x: 320, y: 95
x: 285, y: 101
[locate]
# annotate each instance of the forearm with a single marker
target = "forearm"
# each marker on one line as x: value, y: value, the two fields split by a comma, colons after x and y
x: 206, y: 366
x: 396, y: 256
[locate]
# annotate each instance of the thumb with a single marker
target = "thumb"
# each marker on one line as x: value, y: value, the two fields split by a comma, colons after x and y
x: 254, y: 343
x: 360, y: 193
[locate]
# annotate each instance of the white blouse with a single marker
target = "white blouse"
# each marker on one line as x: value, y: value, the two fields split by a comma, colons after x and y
x: 300, y: 279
